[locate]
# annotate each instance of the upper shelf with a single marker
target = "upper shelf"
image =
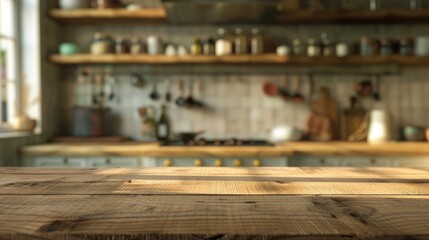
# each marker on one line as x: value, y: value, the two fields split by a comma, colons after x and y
x: 158, y: 15
x: 155, y: 15
x: 237, y: 59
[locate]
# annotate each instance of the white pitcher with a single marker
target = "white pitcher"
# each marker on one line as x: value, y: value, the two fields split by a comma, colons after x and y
x: 379, y: 127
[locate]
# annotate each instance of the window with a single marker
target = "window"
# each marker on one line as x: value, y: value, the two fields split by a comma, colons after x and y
x: 9, y: 80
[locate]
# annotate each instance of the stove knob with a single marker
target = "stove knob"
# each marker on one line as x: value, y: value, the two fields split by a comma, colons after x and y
x: 198, y: 163
x: 237, y: 163
x: 218, y: 163
x: 257, y: 163
x: 168, y: 163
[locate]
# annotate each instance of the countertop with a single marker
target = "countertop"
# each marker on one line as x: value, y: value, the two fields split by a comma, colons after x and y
x: 212, y: 203
x: 133, y: 149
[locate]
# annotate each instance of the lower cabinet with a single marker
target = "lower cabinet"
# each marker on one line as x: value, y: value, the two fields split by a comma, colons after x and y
x: 58, y: 162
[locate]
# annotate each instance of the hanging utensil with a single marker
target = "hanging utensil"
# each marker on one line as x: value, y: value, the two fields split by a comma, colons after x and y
x: 181, y: 101
x: 298, y: 97
x: 168, y: 96
x: 137, y: 81
x: 283, y: 90
x: 154, y: 95
x: 198, y: 101
x: 270, y: 89
x: 190, y: 100
x: 376, y: 95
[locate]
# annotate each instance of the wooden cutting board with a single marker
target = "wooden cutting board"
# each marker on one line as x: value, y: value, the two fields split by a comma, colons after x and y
x: 353, y: 118
x: 328, y: 106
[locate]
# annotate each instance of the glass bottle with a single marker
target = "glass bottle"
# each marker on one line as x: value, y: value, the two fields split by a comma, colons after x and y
x: 209, y: 46
x: 240, y: 42
x: 136, y: 46
x: 121, y: 46
x: 256, y: 42
x: 149, y: 125
x: 298, y: 48
x: 314, y: 49
x: 163, y: 125
x: 328, y: 46
x: 223, y: 44
x: 196, y: 47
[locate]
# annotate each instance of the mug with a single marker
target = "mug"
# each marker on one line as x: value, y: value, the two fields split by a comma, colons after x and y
x: 379, y: 127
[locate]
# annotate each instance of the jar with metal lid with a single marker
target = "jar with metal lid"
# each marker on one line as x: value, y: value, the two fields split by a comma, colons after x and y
x: 406, y: 46
x: 101, y: 44
x: 256, y: 42
x: 137, y: 46
x: 122, y: 46
x: 328, y: 46
x: 196, y: 47
x: 314, y: 48
x: 209, y: 46
x: 298, y: 48
x: 386, y: 47
x: 240, y: 42
x: 223, y: 45
x: 368, y: 47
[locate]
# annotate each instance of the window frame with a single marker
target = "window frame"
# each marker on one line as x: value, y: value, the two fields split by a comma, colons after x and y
x: 16, y: 41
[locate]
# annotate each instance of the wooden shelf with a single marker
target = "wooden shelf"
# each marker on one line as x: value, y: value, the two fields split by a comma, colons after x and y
x: 271, y: 59
x: 158, y: 15
x: 155, y: 15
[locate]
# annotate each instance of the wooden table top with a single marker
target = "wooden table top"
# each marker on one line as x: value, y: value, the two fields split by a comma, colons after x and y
x: 214, y: 203
x: 134, y: 149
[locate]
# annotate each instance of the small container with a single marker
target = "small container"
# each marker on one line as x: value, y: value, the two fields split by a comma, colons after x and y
x: 386, y: 47
x: 342, y: 49
x: 196, y: 47
x: 240, y: 42
x: 223, y: 44
x: 283, y: 50
x: 170, y: 50
x: 298, y: 48
x: 155, y: 45
x: 67, y: 49
x: 137, y: 46
x: 101, y: 44
x: 122, y: 46
x: 328, y: 46
x: 406, y: 47
x: 256, y: 42
x: 314, y: 48
x: 368, y: 47
x: 209, y: 46
x: 421, y: 47
x: 374, y: 5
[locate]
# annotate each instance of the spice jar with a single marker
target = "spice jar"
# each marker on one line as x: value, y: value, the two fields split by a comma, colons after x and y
x: 342, y: 49
x: 256, y: 42
x: 368, y: 47
x: 406, y: 46
x: 223, y: 44
x: 136, y: 46
x: 122, y: 46
x: 209, y: 46
x: 154, y: 45
x: 386, y: 47
x: 196, y: 47
x: 240, y: 42
x: 298, y: 48
x: 314, y: 48
x: 328, y: 46
x: 101, y: 44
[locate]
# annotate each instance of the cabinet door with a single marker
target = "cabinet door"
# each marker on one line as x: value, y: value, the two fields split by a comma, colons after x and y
x: 414, y: 162
x: 60, y: 162
x: 148, y: 162
x: 113, y: 162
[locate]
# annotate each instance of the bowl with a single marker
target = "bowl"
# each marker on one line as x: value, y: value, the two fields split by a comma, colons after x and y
x: 284, y: 134
x: 414, y: 134
x: 67, y: 49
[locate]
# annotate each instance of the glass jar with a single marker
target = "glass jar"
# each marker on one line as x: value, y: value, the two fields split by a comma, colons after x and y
x: 314, y: 48
x: 256, y: 42
x: 136, y: 46
x: 298, y: 48
x: 342, y: 49
x: 209, y: 46
x: 223, y: 44
x: 122, y: 46
x: 101, y: 44
x: 240, y: 42
x: 368, y: 47
x: 386, y: 47
x: 374, y: 5
x: 406, y: 46
x: 328, y: 46
x: 196, y: 47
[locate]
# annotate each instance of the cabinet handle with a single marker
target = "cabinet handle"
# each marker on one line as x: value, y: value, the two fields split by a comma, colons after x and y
x: 218, y: 163
x: 237, y: 163
x: 257, y: 163
x: 168, y: 163
x: 322, y: 161
x: 198, y: 163
x: 373, y: 161
x: 108, y: 161
x: 66, y: 161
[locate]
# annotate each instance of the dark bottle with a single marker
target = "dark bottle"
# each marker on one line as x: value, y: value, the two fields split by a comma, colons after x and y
x: 163, y: 131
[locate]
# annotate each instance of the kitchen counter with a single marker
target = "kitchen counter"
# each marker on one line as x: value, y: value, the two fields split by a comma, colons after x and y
x: 394, y: 149
x: 213, y: 203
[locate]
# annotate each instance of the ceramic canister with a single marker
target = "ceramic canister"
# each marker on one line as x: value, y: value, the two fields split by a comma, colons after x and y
x: 422, y: 46
x: 379, y: 127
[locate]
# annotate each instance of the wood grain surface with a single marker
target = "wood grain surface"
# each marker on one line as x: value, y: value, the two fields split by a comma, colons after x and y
x: 288, y: 149
x: 212, y: 203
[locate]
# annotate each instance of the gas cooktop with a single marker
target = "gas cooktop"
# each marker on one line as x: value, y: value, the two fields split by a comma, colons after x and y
x: 218, y: 142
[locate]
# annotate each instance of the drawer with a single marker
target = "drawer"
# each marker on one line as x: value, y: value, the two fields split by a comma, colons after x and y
x: 217, y: 162
x: 414, y: 162
x: 315, y: 162
x: 366, y: 162
x: 113, y: 162
x: 60, y: 162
